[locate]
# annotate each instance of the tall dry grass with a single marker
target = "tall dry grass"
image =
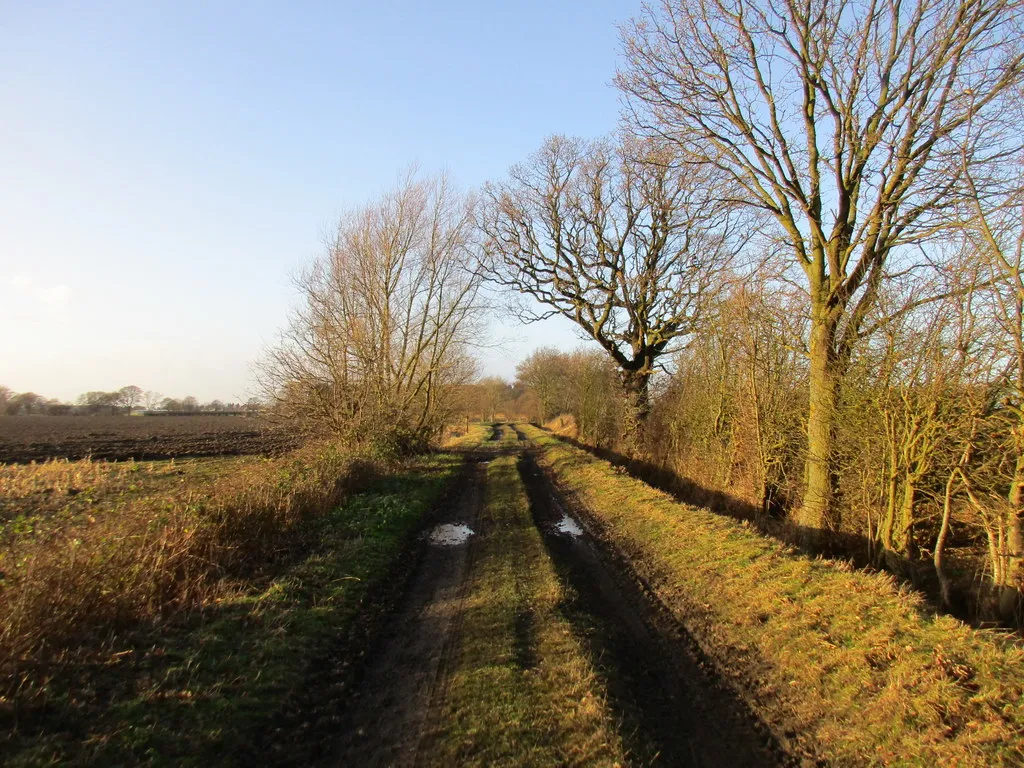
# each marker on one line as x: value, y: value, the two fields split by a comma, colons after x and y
x: 159, y: 556
x: 39, y: 499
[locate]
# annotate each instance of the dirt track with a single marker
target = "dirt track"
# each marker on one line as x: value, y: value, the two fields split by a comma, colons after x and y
x: 669, y: 705
x: 387, y: 716
x: 673, y: 708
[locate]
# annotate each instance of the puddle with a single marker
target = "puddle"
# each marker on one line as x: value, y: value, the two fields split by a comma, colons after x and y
x: 449, y: 535
x: 568, y: 526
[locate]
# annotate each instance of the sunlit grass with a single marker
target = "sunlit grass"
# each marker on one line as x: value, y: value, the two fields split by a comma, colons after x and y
x: 844, y: 660
x: 522, y: 690
x: 41, y: 499
x: 198, y: 689
x: 460, y: 437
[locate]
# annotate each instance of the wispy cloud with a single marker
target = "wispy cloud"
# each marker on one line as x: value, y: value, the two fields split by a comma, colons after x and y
x: 29, y: 289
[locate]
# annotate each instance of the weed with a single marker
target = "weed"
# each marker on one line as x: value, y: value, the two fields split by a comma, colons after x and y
x: 194, y: 677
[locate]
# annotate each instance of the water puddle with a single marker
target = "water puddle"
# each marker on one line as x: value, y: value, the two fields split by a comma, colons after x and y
x: 568, y: 526
x: 450, y: 535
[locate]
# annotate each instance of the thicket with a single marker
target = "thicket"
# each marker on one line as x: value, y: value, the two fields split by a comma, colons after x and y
x: 927, y: 445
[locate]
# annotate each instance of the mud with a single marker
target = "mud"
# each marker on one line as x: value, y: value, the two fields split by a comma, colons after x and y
x: 143, y: 438
x: 673, y: 707
x: 387, y: 716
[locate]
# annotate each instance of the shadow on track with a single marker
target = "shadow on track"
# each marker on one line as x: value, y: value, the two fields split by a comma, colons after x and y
x: 672, y: 707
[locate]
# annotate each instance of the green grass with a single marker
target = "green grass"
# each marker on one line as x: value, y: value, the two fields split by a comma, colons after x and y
x: 522, y: 691
x: 197, y: 692
x: 461, y: 438
x: 856, y: 668
x: 43, y: 500
x: 507, y: 437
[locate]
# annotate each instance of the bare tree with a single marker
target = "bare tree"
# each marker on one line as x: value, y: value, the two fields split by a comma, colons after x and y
x: 152, y: 399
x: 388, y: 314
x: 25, y: 403
x: 97, y: 401
x: 544, y: 373
x: 495, y: 396
x: 130, y: 396
x: 620, y: 239
x: 843, y: 119
x: 581, y: 384
x: 992, y: 224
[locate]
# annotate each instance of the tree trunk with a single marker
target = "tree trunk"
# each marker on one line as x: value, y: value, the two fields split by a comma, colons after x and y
x: 904, y: 542
x: 885, y: 529
x: 945, y: 583
x: 1009, y: 590
x: 939, y: 558
x: 818, y: 513
x: 637, y: 409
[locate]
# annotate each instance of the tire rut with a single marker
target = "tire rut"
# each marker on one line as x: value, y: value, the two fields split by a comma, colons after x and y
x: 673, y: 708
x: 388, y: 716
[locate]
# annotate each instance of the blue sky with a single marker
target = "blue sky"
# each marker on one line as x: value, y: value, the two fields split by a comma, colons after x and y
x: 166, y: 167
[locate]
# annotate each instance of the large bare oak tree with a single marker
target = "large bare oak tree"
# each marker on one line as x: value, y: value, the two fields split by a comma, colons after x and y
x: 843, y: 119
x: 621, y: 239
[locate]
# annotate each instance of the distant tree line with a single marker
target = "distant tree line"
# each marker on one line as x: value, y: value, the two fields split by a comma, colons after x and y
x: 124, y: 400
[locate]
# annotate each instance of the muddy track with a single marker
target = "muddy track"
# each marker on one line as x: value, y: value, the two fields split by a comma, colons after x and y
x: 670, y: 706
x: 388, y: 716
x: 673, y: 708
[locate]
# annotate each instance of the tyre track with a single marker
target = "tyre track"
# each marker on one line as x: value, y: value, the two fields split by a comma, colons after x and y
x: 387, y: 718
x: 674, y: 709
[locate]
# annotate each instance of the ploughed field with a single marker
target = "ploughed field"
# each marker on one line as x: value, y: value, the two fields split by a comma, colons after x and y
x: 143, y: 438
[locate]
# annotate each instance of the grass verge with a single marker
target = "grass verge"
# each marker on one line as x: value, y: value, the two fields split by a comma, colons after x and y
x: 203, y: 691
x: 841, y: 662
x: 521, y: 691
x: 468, y: 438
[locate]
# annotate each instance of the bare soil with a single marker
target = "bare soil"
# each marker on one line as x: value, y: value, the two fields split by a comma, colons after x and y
x: 673, y: 706
x: 143, y: 438
x: 388, y: 715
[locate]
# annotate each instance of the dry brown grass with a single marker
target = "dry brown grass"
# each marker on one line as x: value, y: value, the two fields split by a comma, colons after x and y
x: 240, y: 681
x: 563, y: 426
x: 458, y: 437
x: 40, y: 499
x: 856, y: 668
x: 156, y: 554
